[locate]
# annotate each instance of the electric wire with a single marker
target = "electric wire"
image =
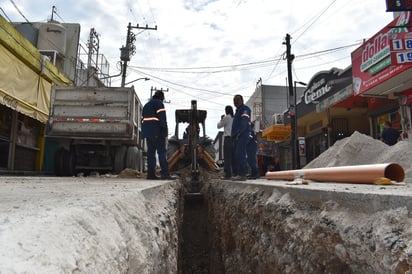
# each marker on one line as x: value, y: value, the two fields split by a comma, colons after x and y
x: 179, y: 85
x: 244, y: 66
x: 5, y: 14
x: 19, y: 11
x: 313, y: 22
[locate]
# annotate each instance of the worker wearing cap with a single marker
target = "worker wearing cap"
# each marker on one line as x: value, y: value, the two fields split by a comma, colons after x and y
x: 154, y: 129
x: 240, y: 134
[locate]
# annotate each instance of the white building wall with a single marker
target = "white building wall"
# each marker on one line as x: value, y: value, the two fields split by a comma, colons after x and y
x: 268, y: 100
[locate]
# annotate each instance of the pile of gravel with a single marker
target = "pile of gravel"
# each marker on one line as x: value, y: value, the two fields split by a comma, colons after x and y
x: 361, y: 149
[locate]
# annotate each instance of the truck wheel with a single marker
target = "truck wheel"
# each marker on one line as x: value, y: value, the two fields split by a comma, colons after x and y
x: 69, y: 163
x: 119, y: 159
x: 140, y: 161
x: 132, y: 158
x: 58, y: 162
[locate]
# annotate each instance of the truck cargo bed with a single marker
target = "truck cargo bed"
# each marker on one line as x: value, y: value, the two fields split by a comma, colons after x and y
x: 93, y: 113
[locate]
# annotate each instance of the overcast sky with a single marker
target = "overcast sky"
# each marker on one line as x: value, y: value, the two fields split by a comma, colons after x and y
x: 210, y: 50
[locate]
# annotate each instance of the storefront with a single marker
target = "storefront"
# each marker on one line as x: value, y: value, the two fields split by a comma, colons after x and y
x: 25, y: 86
x: 383, y: 73
x: 270, y: 149
x: 328, y: 112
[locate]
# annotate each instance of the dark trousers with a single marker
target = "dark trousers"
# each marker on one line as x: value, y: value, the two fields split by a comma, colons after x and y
x: 251, y: 150
x: 159, y: 145
x: 228, y: 155
x: 240, y: 154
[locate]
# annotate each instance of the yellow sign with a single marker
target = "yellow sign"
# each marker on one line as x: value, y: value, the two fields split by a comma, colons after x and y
x: 276, y: 131
x: 276, y: 138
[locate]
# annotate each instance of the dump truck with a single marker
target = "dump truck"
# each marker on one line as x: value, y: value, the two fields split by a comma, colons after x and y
x: 96, y: 129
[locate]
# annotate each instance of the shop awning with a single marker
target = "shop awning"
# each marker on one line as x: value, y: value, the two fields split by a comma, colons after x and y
x: 27, y: 77
x: 22, y: 89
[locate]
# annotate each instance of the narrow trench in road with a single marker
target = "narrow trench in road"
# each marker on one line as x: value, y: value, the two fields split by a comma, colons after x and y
x: 194, y: 246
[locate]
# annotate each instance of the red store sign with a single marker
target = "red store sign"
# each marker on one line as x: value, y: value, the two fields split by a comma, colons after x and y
x: 401, y: 48
x: 371, y: 62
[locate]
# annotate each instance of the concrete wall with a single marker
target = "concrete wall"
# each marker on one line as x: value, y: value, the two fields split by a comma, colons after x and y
x: 112, y: 225
x: 270, y: 227
x: 88, y: 225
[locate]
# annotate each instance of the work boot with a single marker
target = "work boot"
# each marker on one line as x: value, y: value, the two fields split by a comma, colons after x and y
x: 239, y: 178
x: 252, y: 177
x: 152, y: 177
x: 168, y: 177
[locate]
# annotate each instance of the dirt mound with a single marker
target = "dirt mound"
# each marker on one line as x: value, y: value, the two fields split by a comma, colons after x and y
x: 131, y: 173
x: 361, y: 149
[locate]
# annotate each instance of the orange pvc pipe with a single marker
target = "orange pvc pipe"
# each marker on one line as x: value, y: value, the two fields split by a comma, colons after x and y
x: 365, y: 174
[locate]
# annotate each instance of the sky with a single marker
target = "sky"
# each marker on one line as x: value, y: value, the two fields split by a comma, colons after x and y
x: 211, y: 50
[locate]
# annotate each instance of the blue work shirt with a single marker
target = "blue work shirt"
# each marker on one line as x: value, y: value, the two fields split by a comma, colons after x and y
x: 241, y: 121
x: 154, y: 123
x: 390, y: 136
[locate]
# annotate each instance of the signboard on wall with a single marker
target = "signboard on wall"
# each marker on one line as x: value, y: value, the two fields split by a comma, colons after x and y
x: 371, y: 62
x: 401, y: 48
x: 398, y: 5
x: 320, y: 85
x: 277, y: 133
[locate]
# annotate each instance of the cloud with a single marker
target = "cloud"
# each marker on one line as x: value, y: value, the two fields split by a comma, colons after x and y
x: 216, y: 37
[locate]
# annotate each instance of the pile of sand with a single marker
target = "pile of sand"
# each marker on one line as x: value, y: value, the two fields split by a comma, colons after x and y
x: 361, y: 149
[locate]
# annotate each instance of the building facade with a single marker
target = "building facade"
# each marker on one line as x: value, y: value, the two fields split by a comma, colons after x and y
x: 25, y: 84
x: 268, y: 103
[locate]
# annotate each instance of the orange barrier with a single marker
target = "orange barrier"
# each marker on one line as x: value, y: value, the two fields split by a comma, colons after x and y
x: 366, y: 174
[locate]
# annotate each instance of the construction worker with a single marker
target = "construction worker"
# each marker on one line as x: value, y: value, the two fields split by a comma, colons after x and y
x: 251, y: 150
x: 154, y: 129
x: 240, y: 134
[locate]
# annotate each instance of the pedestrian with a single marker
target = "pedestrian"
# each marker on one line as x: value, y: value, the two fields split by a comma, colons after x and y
x: 226, y: 123
x: 389, y: 135
x: 251, y: 150
x: 240, y: 134
x: 154, y: 129
x: 276, y: 166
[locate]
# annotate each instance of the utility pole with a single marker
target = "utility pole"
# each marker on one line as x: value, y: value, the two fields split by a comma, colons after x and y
x: 130, y: 49
x: 153, y: 90
x: 292, y: 108
x: 93, y: 47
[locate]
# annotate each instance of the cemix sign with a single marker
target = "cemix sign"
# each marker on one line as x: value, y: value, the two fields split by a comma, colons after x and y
x: 320, y: 85
x: 315, y: 92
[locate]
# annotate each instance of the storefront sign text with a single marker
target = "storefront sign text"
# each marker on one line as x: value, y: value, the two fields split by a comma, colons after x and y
x: 316, y: 91
x: 401, y: 48
x: 371, y: 62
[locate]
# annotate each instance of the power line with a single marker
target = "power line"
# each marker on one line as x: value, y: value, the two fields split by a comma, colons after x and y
x: 211, y: 69
x: 327, y: 51
x: 17, y: 8
x: 58, y: 15
x: 180, y: 85
x: 314, y: 21
x: 5, y: 14
x: 245, y: 66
